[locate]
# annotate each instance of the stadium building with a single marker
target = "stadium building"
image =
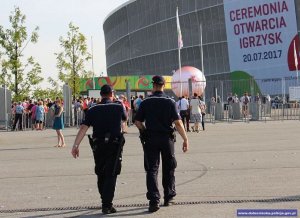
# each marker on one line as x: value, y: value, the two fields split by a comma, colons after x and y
x: 253, y: 40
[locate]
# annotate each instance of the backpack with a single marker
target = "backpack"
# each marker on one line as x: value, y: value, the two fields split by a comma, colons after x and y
x: 246, y: 100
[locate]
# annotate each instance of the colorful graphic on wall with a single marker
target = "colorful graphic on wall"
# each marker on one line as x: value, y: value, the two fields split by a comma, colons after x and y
x: 187, y: 72
x: 137, y: 83
x: 261, y: 36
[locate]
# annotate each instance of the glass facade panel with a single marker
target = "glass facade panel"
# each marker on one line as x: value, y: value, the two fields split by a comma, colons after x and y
x: 226, y: 57
x: 206, y: 60
x: 184, y: 6
x: 195, y: 29
x: 199, y: 4
x: 222, y: 25
x: 297, y: 3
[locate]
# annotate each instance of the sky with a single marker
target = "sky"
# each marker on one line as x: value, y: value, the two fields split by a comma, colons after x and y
x: 53, y: 17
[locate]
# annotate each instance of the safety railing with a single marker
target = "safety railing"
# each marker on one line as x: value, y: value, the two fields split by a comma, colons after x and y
x: 5, y: 122
x: 26, y: 122
x: 289, y: 111
x: 215, y: 113
x: 79, y: 117
x: 211, y: 115
x: 238, y: 112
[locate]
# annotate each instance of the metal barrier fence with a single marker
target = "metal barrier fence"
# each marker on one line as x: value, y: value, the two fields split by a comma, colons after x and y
x: 220, y: 88
x: 27, y: 122
x: 216, y: 113
x: 252, y: 112
x: 79, y: 117
x: 234, y: 112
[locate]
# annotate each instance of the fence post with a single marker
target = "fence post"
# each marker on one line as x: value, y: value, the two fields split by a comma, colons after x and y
x: 282, y: 108
x: 128, y: 99
x: 229, y: 113
x: 5, y: 99
x: 283, y: 89
x: 298, y: 110
x: 67, y: 104
x: 212, y: 113
x: 5, y: 108
x: 190, y: 87
x: 222, y: 92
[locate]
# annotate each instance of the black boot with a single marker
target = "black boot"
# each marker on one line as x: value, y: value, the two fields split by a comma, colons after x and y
x: 109, y: 210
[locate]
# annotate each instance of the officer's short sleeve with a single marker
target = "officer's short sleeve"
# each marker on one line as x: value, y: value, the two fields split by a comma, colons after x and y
x: 88, y: 119
x: 140, y: 115
x: 174, y: 113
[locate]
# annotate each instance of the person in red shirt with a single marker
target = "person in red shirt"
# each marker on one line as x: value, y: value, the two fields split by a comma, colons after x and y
x: 126, y: 105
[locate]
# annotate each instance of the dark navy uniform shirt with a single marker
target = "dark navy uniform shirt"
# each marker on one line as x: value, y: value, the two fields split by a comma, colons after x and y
x: 105, y: 117
x: 159, y: 112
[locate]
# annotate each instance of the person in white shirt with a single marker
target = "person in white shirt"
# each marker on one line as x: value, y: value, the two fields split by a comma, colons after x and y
x: 235, y: 99
x: 245, y: 102
x: 195, y: 112
x: 183, y: 108
x: 229, y: 98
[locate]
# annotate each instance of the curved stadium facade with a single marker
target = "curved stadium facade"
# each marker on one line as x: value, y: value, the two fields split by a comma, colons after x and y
x: 141, y: 37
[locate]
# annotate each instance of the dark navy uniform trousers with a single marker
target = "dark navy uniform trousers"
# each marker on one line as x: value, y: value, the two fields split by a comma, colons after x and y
x: 155, y: 145
x: 105, y: 157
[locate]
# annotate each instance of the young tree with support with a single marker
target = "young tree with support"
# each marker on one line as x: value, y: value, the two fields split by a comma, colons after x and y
x: 71, y: 61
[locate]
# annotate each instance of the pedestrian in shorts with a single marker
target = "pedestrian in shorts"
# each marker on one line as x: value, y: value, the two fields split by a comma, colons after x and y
x: 195, y: 112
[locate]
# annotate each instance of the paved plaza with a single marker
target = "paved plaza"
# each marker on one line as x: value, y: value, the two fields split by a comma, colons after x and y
x: 228, y: 167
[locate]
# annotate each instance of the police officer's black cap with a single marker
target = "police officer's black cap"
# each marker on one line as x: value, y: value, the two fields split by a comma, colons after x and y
x: 106, y: 89
x: 158, y: 80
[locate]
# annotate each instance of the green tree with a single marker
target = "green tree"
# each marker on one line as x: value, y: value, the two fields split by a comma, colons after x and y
x: 18, y: 73
x: 71, y: 61
x: 52, y: 93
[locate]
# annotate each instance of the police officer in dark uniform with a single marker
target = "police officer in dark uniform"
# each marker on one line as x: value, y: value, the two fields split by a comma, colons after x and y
x: 157, y: 136
x: 106, y: 142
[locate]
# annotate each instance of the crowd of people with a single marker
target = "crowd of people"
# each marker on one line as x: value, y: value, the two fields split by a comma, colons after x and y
x: 83, y: 104
x: 39, y: 114
x: 30, y: 114
x: 33, y: 114
x: 192, y: 109
x: 246, y: 99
